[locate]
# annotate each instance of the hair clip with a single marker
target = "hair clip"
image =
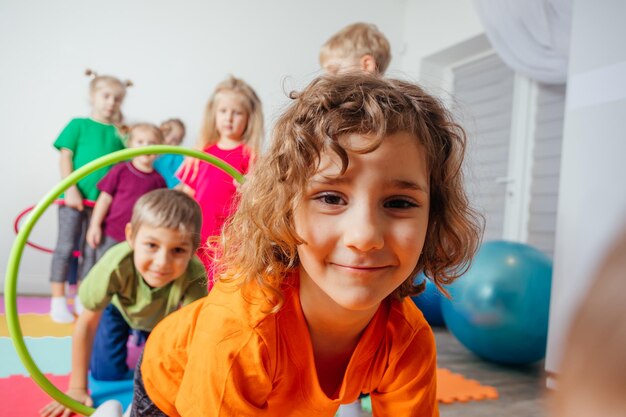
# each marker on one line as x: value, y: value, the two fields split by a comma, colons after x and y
x: 91, y: 74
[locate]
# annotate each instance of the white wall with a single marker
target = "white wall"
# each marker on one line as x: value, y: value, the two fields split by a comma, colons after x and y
x: 431, y: 26
x: 592, y: 199
x: 175, y: 53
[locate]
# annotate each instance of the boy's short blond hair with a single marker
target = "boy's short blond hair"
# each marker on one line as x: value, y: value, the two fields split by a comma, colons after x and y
x: 171, y: 209
x: 357, y: 40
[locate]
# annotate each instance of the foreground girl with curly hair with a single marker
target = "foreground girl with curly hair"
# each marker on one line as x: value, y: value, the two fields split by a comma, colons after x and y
x: 360, y: 190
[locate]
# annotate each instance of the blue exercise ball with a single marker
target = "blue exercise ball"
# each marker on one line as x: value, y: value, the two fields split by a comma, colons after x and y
x: 429, y: 302
x: 499, y: 308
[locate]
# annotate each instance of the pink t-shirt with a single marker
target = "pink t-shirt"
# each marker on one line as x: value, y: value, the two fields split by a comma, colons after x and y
x: 215, y: 190
x: 125, y: 184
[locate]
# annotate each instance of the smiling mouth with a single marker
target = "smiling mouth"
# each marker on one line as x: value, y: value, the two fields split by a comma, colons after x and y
x: 364, y: 268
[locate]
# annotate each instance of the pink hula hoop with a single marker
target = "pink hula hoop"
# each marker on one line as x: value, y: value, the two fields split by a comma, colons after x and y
x: 16, y: 226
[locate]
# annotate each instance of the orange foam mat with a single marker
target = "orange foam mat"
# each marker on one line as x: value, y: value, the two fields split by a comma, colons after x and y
x: 453, y: 387
x: 37, y: 325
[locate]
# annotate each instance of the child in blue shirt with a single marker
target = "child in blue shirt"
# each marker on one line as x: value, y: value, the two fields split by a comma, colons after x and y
x: 173, y: 133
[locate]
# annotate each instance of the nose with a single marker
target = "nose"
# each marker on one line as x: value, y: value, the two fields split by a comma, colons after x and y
x: 161, y: 258
x: 364, y: 228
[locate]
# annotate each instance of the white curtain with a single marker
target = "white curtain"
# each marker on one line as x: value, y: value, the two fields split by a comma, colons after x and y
x: 531, y: 36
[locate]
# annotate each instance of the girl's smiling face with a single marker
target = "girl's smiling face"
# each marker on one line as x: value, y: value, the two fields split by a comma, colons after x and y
x: 363, y: 230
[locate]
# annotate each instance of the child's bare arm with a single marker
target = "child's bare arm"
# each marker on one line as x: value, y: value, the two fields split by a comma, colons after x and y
x: 189, y: 168
x: 82, y: 344
x: 100, y: 210
x: 73, y: 197
x: 187, y: 173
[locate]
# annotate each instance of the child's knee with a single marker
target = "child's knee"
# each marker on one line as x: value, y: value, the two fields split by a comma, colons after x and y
x: 109, y: 372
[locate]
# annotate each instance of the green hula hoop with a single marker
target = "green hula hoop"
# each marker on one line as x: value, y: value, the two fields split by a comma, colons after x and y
x: 10, y: 285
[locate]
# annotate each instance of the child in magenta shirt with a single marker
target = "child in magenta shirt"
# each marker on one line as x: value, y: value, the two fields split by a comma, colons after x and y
x: 121, y: 188
x: 232, y: 131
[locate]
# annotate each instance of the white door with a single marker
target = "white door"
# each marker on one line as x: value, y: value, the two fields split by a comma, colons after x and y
x: 483, y: 100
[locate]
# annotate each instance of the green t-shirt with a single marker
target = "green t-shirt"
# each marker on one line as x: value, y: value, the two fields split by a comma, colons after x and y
x: 115, y: 280
x: 89, y: 140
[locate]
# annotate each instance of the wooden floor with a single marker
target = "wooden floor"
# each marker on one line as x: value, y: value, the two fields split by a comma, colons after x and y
x: 521, y: 389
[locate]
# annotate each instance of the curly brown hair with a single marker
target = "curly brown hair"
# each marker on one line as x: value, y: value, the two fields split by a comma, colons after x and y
x: 259, y: 244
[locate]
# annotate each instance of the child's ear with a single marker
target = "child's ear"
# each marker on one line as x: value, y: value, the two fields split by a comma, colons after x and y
x: 128, y: 230
x: 368, y: 64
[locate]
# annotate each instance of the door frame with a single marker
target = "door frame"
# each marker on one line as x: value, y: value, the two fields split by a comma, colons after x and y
x: 437, y: 71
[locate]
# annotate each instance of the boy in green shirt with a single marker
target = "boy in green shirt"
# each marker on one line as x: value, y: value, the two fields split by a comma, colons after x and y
x: 133, y: 286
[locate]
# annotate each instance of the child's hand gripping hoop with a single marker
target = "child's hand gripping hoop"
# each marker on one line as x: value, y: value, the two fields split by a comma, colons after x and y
x: 10, y: 287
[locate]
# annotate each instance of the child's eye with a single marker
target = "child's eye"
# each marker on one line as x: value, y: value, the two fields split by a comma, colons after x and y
x: 180, y: 251
x: 331, y: 199
x: 151, y: 245
x: 400, y: 203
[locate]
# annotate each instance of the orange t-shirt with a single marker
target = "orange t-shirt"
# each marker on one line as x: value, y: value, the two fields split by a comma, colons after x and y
x: 222, y: 356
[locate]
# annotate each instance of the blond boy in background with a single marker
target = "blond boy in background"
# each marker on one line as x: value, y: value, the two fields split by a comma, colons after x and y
x: 357, y: 47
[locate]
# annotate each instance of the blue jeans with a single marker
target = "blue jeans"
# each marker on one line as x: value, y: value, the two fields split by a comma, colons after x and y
x: 108, y: 357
